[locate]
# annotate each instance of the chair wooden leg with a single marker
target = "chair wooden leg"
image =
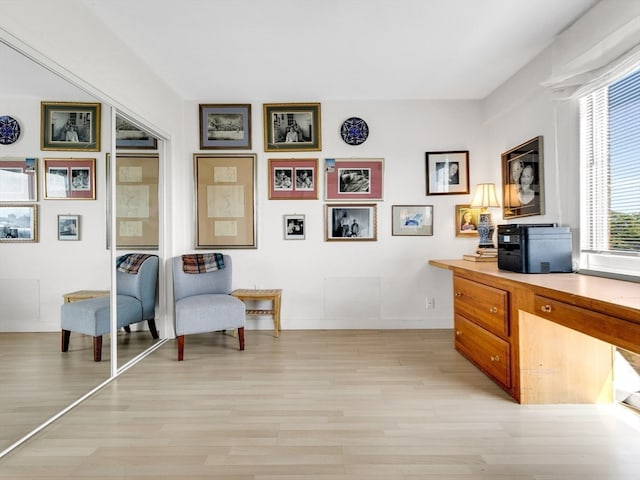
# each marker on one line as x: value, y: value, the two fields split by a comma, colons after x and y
x: 97, y: 348
x: 65, y: 340
x: 241, y: 337
x: 180, y: 348
x: 152, y: 328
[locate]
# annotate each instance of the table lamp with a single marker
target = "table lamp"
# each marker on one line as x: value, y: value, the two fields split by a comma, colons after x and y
x: 483, y: 198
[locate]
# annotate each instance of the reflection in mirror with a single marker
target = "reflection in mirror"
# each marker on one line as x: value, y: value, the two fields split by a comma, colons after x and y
x: 136, y: 225
x: 37, y: 379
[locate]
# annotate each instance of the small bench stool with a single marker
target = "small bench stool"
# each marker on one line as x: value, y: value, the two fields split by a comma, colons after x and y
x: 274, y: 295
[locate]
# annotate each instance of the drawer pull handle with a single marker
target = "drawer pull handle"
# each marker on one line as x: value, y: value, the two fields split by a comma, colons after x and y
x: 546, y: 308
x: 495, y: 358
x: 493, y: 309
x: 458, y: 294
x: 458, y: 333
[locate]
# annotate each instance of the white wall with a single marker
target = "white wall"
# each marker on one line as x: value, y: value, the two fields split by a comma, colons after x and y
x: 380, y: 284
x: 34, y: 276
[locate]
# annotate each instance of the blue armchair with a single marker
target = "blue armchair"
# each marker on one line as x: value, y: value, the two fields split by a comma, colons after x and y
x: 203, y: 302
x: 136, y: 302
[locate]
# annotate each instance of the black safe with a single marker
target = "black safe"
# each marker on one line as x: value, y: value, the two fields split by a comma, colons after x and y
x: 534, y: 248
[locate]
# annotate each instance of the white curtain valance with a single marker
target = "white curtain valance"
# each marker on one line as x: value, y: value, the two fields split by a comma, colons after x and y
x: 582, y: 63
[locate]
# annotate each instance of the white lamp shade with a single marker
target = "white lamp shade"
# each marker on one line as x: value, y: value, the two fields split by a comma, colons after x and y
x: 485, y: 196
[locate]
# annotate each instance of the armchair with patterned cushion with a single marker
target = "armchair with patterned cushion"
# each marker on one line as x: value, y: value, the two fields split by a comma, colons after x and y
x: 202, y: 288
x: 136, y: 282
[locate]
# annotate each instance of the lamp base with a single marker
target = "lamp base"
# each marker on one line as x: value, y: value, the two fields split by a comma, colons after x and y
x: 485, y: 231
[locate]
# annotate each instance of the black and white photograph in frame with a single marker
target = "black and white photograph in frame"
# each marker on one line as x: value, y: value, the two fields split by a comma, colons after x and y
x: 68, y: 227
x: 305, y: 179
x: 354, y: 180
x: 522, y: 177
x: 350, y: 222
x: 283, y: 179
x: 294, y: 227
x: 80, y: 179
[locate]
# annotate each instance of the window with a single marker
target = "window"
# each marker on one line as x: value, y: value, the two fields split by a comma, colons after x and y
x: 610, y: 173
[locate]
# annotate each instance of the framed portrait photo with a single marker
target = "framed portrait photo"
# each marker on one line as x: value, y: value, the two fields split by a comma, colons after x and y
x: 293, y: 179
x: 447, y: 172
x: 225, y: 200
x: 467, y: 219
x: 350, y: 222
x: 522, y: 180
x: 70, y: 126
x: 225, y: 126
x: 294, y: 227
x: 412, y: 220
x: 70, y: 178
x: 18, y: 223
x: 293, y: 127
x: 68, y: 227
x: 18, y: 179
x: 354, y: 179
x: 130, y: 136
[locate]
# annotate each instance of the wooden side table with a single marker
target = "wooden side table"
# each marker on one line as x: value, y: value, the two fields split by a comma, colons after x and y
x: 274, y: 295
x: 84, y: 295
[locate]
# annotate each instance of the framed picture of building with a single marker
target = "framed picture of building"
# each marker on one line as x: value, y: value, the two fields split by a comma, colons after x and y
x: 225, y: 126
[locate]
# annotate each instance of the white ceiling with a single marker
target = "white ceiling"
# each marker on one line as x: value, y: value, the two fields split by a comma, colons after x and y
x: 312, y: 50
x: 308, y: 50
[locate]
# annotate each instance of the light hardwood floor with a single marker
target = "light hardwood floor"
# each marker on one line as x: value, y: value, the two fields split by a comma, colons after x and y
x: 330, y: 405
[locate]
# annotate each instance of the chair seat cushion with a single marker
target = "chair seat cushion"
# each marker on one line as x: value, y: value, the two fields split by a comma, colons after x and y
x: 208, y: 313
x: 91, y: 317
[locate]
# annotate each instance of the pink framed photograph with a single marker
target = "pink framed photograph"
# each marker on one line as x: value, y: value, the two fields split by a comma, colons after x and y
x: 293, y: 179
x: 354, y: 179
x: 70, y: 178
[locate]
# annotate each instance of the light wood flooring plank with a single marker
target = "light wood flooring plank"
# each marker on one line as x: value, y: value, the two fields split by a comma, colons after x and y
x: 325, y: 405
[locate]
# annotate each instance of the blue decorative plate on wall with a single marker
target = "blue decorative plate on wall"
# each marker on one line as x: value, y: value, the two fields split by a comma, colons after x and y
x: 9, y: 130
x: 354, y: 131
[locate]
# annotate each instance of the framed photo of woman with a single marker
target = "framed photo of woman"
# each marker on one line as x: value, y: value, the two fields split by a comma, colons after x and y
x: 467, y: 221
x: 522, y: 180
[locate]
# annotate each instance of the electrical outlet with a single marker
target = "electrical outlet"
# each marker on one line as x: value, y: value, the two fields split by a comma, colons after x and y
x: 431, y: 303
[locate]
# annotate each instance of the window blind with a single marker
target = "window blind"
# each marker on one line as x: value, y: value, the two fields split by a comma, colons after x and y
x: 610, y: 173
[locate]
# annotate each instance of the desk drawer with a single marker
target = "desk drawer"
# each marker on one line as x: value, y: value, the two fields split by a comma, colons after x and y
x: 487, y: 306
x: 490, y: 353
x: 615, y: 331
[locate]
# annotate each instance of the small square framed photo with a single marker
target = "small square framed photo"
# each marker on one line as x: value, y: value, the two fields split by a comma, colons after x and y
x: 70, y: 178
x: 293, y: 179
x: 467, y: 219
x: 18, y: 223
x: 68, y: 227
x: 130, y: 136
x: 293, y: 127
x: 447, y: 172
x: 294, y: 227
x: 412, y: 220
x: 225, y: 126
x: 70, y: 126
x: 352, y: 223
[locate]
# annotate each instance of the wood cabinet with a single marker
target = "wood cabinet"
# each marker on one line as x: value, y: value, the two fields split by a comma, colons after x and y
x: 543, y: 338
x: 481, y: 326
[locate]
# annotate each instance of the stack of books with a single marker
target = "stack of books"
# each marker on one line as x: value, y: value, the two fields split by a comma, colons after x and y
x: 482, y: 255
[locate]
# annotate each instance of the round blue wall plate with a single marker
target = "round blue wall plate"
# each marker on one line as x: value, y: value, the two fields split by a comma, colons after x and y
x: 9, y: 130
x: 354, y: 131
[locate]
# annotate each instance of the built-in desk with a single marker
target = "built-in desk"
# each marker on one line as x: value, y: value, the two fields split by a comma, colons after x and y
x: 544, y: 338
